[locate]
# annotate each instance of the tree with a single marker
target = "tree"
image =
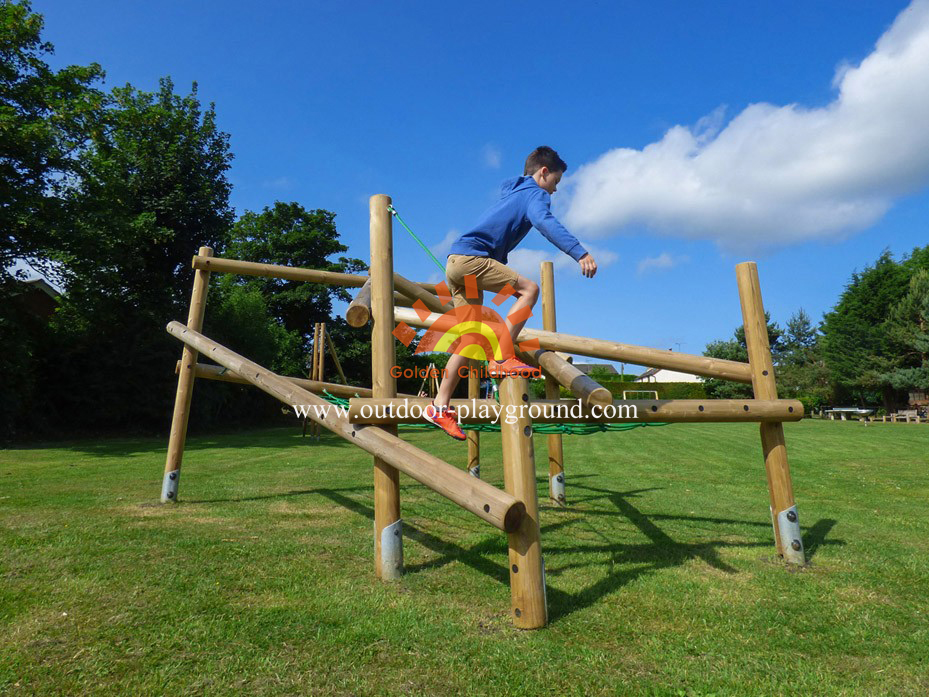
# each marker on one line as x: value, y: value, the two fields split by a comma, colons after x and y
x: 801, y: 370
x: 44, y: 118
x: 152, y: 189
x: 290, y: 235
x: 735, y: 349
x: 908, y: 328
x: 856, y: 345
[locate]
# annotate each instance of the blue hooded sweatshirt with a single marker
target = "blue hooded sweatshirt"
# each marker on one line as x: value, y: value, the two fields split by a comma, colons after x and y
x: 523, y: 204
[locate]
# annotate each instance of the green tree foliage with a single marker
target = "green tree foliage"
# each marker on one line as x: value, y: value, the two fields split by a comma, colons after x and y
x: 288, y: 234
x: 907, y: 327
x: 153, y: 189
x: 856, y: 344
x: 801, y: 370
x: 44, y: 118
x: 735, y: 349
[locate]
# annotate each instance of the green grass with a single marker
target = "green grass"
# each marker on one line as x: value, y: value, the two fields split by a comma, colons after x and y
x: 662, y: 577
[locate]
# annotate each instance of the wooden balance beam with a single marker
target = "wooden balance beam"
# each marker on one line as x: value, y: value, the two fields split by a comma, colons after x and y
x: 498, y: 508
x: 546, y: 411
x: 613, y: 351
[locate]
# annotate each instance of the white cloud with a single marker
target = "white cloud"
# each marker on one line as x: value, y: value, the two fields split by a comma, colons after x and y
x: 492, y: 156
x: 282, y: 183
x: 662, y: 262
x: 527, y: 261
x: 777, y: 175
x: 441, y: 249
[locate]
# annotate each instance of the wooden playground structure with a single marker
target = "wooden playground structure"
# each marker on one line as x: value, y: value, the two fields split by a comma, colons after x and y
x: 386, y: 299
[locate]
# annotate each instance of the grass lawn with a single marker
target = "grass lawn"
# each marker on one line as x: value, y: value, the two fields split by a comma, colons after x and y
x: 662, y: 576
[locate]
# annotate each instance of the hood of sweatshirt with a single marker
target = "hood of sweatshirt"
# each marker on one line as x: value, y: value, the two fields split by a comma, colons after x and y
x: 517, y: 184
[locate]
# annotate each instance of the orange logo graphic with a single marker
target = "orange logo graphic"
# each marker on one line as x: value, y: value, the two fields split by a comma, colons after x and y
x: 473, y: 331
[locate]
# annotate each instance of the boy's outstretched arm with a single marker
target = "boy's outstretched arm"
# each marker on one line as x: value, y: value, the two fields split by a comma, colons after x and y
x: 542, y: 219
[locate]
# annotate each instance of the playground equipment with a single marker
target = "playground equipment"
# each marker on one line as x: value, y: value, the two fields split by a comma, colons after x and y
x: 386, y: 298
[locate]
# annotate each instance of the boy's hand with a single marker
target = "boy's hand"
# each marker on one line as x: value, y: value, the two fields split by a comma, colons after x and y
x: 588, y: 265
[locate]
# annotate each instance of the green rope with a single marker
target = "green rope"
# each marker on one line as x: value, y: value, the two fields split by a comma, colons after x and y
x: 396, y: 215
x: 567, y: 429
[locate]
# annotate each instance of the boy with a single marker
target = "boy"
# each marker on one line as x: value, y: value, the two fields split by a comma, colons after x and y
x: 524, y: 203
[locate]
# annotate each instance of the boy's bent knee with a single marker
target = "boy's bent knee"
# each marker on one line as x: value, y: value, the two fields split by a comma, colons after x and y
x: 527, y: 288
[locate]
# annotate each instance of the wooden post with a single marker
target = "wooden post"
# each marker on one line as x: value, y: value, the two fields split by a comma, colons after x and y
x: 474, y: 437
x: 388, y: 526
x: 312, y: 374
x: 335, y: 358
x: 784, y: 515
x: 185, y: 387
x: 556, y: 479
x: 527, y: 572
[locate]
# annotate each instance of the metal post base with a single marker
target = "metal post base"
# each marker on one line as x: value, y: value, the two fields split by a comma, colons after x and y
x: 557, y: 489
x: 392, y: 551
x: 169, y: 486
x: 475, y: 471
x: 788, y: 523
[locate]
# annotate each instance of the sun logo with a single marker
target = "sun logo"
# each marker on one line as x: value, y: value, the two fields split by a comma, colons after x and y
x: 473, y: 331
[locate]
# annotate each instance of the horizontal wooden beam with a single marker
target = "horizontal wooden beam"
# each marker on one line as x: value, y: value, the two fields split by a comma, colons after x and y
x: 289, y: 273
x: 546, y: 411
x: 217, y: 372
x: 498, y: 508
x: 613, y: 351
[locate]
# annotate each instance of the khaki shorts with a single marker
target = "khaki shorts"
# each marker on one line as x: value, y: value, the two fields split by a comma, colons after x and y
x: 490, y: 274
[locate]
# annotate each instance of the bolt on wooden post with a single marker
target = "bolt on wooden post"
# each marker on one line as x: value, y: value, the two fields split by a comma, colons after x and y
x: 784, y: 515
x: 185, y: 387
x: 474, y: 437
x: 527, y: 573
x: 556, y: 481
x: 388, y: 526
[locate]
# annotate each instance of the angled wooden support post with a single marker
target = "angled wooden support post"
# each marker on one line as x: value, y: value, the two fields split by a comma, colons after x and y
x: 527, y: 570
x: 556, y: 482
x: 388, y: 526
x: 335, y: 358
x: 474, y: 437
x: 185, y: 387
x: 784, y: 515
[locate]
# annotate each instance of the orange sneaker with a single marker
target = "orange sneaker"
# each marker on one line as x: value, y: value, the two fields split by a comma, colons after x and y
x: 512, y: 366
x: 446, y: 419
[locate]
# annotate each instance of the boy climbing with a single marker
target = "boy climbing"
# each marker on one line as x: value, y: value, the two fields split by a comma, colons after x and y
x: 525, y: 202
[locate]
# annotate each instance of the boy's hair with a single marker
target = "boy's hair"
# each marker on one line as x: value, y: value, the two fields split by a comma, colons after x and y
x: 544, y: 156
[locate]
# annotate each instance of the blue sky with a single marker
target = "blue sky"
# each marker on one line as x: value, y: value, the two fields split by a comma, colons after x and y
x: 674, y: 175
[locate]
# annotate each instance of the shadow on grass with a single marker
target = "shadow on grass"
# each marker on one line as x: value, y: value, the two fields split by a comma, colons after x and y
x: 816, y: 537
x: 660, y: 552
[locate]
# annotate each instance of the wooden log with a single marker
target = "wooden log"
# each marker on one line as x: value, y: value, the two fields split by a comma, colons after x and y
x: 784, y: 514
x: 559, y: 372
x: 358, y: 313
x: 498, y: 508
x: 581, y: 386
x: 335, y: 358
x: 474, y: 437
x: 614, y: 351
x: 185, y: 386
x: 482, y: 411
x: 289, y: 273
x: 527, y: 573
x: 416, y: 292
x: 388, y: 536
x: 216, y: 372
